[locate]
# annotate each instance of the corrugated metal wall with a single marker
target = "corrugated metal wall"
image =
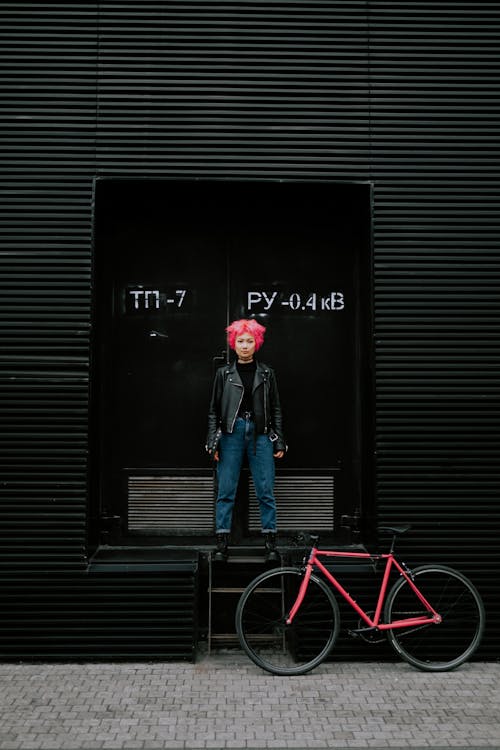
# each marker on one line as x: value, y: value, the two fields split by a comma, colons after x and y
x: 435, y: 157
x: 264, y: 89
x: 48, y: 70
x: 401, y: 93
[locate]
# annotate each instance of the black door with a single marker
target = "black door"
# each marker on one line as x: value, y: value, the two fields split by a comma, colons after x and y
x: 175, y: 263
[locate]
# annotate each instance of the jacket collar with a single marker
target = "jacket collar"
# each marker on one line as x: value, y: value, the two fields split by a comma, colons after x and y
x: 260, y: 367
x: 261, y: 371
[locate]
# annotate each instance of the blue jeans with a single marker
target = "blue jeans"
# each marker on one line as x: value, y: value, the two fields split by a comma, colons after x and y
x: 259, y: 449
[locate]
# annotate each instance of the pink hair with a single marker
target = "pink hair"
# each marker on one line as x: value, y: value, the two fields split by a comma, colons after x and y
x: 238, y: 327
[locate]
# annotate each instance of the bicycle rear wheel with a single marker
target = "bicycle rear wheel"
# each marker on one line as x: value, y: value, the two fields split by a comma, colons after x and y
x: 260, y: 622
x: 436, y: 647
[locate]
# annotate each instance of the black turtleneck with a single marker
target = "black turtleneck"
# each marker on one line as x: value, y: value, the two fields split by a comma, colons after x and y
x: 246, y: 372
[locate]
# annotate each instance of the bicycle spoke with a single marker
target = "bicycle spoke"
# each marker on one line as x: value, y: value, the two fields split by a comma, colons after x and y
x: 436, y: 647
x: 268, y: 640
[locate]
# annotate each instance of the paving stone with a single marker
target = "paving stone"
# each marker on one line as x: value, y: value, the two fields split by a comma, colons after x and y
x: 225, y: 702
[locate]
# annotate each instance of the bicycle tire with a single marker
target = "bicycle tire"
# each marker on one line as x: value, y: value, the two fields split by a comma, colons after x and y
x: 260, y: 622
x: 436, y: 647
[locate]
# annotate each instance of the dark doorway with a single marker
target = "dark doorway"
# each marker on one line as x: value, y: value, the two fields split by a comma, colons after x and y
x: 175, y: 262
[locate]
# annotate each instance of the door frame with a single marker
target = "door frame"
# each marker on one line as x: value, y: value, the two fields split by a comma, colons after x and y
x: 102, y: 519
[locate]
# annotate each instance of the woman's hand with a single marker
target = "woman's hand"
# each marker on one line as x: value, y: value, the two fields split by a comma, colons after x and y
x: 279, y: 454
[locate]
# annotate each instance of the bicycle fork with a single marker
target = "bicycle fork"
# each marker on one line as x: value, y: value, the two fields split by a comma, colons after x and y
x: 301, y: 594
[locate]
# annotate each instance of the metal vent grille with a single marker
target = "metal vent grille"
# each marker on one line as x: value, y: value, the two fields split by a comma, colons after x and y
x: 171, y: 503
x: 298, y: 500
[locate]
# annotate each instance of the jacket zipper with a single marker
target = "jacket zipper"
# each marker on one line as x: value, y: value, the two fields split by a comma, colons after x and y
x: 237, y: 410
x: 265, y: 401
x: 266, y: 372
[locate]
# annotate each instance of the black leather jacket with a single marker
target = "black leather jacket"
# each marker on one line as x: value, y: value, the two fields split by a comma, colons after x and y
x: 227, y: 394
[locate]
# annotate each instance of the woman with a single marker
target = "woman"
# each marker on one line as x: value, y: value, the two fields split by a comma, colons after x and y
x: 245, y: 418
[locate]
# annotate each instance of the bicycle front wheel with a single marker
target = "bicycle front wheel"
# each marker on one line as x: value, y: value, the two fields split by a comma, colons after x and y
x: 263, y: 633
x: 436, y: 647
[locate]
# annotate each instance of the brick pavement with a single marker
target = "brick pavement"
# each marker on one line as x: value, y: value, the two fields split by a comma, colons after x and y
x: 224, y: 701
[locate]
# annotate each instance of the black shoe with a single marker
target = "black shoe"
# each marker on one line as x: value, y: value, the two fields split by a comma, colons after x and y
x: 220, y: 552
x: 270, y: 545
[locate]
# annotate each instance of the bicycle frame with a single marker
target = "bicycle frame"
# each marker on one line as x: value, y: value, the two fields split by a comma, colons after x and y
x: 390, y: 564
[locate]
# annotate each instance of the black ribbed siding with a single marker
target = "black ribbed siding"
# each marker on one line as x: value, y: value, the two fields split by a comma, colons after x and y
x: 48, y: 79
x: 404, y: 94
x: 242, y: 89
x: 110, y: 615
x: 437, y: 282
x: 435, y: 158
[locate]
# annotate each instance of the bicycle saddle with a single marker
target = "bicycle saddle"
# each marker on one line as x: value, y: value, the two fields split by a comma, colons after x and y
x: 394, y: 529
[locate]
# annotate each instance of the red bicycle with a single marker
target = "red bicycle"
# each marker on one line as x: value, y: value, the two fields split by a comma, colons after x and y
x: 288, y: 619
